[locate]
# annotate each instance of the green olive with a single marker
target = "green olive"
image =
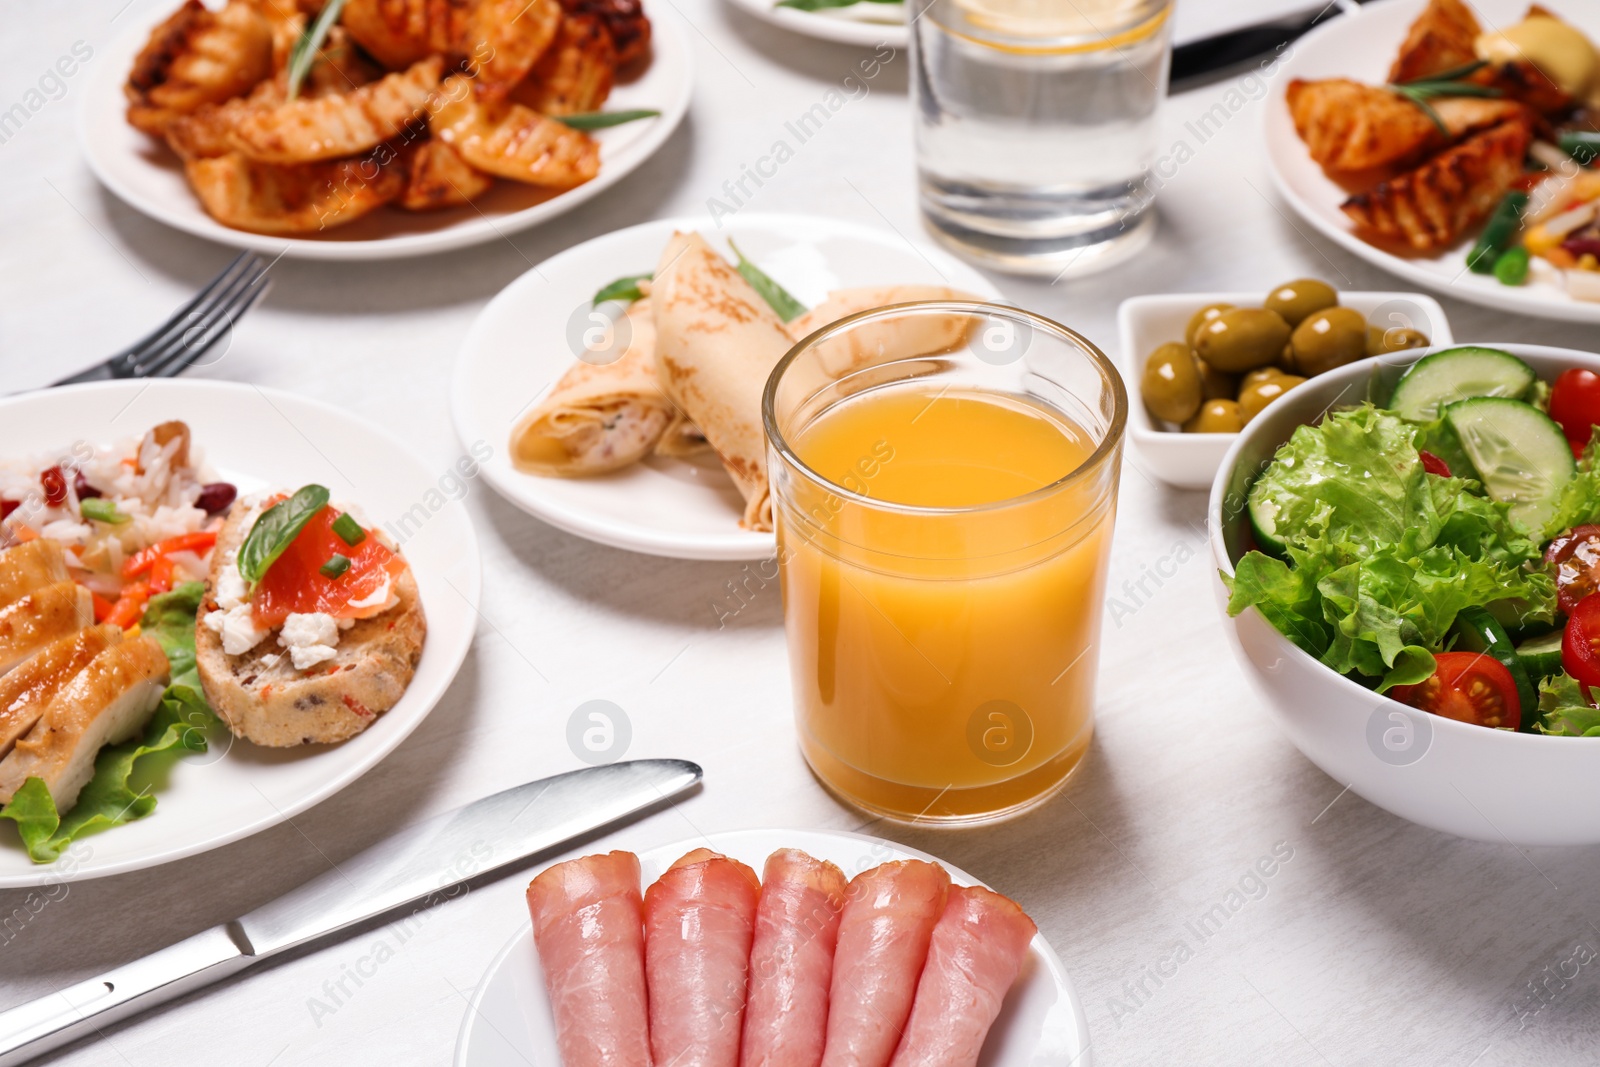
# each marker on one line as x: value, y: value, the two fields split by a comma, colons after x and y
x: 1285, y: 361
x: 1256, y: 377
x: 1242, y: 339
x: 1394, y: 339
x: 1252, y: 398
x: 1214, y: 385
x: 1329, y: 338
x: 1171, y: 383
x: 1201, y: 317
x: 1297, y: 299
x: 1216, y: 416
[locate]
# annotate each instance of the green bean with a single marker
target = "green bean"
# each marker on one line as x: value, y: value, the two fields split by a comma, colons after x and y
x: 1497, y: 233
x: 1581, y: 145
x: 1512, y: 266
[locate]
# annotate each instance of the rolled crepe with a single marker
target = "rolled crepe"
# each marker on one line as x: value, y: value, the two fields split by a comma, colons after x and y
x: 599, y: 416
x: 883, y: 342
x: 716, y: 342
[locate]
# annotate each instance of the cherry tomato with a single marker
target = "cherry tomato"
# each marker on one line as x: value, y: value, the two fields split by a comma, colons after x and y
x: 1576, y: 555
x: 1468, y: 687
x: 1433, y: 464
x: 1580, y: 643
x: 54, y: 484
x: 1575, y: 402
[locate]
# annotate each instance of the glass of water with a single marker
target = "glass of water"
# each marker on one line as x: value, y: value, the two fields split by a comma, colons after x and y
x: 1036, y: 125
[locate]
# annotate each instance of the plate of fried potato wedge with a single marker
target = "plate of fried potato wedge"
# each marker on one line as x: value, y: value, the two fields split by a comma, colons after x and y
x: 1421, y: 134
x: 379, y: 129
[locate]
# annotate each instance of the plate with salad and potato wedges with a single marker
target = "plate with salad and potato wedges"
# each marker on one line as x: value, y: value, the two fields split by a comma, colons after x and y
x: 219, y: 605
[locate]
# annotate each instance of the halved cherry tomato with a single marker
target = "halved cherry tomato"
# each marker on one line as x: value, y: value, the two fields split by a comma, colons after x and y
x: 1576, y: 555
x: 295, y: 584
x: 145, y: 558
x: 1575, y: 403
x: 1580, y: 642
x: 1433, y: 464
x: 1468, y: 687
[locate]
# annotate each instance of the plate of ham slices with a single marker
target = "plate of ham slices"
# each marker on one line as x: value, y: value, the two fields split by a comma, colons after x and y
x: 773, y: 948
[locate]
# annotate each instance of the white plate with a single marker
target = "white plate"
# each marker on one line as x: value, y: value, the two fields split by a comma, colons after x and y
x: 270, y: 439
x: 1361, y: 46
x: 508, y: 1022
x: 148, y: 177
x: 519, y: 346
x: 864, y: 23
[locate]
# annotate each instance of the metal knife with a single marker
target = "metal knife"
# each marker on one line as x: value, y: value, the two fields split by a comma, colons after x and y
x: 422, y: 866
x: 1213, y: 56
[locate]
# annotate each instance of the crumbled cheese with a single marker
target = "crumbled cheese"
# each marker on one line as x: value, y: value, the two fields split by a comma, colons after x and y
x: 231, y: 590
x: 382, y: 597
x: 311, y: 638
x: 237, y: 627
x: 270, y: 659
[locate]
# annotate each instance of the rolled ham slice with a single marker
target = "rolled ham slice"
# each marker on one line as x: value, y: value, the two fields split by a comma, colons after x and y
x: 885, y: 342
x: 716, y: 343
x: 977, y: 949
x: 600, y: 416
x: 588, y: 926
x: 698, y: 919
x: 791, y: 961
x: 888, y: 919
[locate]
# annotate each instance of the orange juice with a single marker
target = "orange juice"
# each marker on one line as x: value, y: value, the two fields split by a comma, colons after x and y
x: 943, y: 615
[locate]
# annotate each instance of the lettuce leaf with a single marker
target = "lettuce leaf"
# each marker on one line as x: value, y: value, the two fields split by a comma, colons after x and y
x: 1563, y: 709
x: 1380, y: 555
x: 1580, y: 500
x: 179, y: 725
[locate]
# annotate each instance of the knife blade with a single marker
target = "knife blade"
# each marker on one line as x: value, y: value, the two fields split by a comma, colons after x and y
x: 1215, y: 55
x: 422, y: 866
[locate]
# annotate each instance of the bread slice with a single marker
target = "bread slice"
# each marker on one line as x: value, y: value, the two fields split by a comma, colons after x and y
x: 269, y: 702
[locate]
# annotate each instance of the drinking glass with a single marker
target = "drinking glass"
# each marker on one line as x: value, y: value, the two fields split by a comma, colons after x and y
x: 944, y: 481
x: 1036, y: 126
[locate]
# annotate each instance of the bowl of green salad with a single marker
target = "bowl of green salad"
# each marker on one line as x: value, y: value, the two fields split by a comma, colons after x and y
x: 1408, y: 551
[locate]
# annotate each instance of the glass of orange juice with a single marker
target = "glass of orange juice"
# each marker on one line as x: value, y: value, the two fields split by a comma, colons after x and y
x: 944, y: 481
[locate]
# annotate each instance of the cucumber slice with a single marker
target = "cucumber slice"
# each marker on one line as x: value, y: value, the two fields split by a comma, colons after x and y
x: 1476, y: 630
x: 1521, y: 456
x: 1263, y: 512
x: 1456, y: 374
x: 1541, y: 656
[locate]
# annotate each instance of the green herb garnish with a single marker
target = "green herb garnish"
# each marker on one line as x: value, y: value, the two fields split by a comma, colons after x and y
x: 276, y: 530
x: 335, y: 567
x: 305, y: 50
x: 1446, y: 83
x: 599, y: 120
x: 348, y: 529
x: 622, y: 289
x: 787, y: 307
x: 101, y: 510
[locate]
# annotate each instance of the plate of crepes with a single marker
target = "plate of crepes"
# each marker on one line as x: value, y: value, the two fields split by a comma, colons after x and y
x: 1456, y: 145
x: 621, y: 380
x: 371, y: 129
x: 219, y: 605
x: 772, y: 948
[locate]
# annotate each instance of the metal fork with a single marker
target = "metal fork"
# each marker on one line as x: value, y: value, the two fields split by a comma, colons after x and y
x: 192, y: 330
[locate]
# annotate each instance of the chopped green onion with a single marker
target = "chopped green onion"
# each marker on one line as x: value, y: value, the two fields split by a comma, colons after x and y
x: 335, y: 566
x: 776, y: 296
x: 621, y: 289
x: 349, y: 530
x: 599, y: 120
x: 1512, y: 266
x: 101, y: 510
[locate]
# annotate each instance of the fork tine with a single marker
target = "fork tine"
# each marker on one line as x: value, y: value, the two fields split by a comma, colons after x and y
x: 162, y: 335
x: 210, y: 327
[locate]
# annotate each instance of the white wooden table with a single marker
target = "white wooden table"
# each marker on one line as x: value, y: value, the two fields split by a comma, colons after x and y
x: 1373, y: 941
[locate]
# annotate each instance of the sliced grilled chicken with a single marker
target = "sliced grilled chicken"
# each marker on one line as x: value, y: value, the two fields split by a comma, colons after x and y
x: 30, y: 566
x: 43, y: 616
x: 109, y: 701
x: 28, y: 690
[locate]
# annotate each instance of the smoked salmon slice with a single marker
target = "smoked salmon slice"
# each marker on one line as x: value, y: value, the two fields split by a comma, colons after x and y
x: 699, y: 919
x: 588, y: 924
x: 884, y: 930
x: 791, y: 961
x: 977, y: 949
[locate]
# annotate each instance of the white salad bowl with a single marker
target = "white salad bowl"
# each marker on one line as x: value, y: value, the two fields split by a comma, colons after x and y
x: 1489, y: 785
x: 1144, y: 323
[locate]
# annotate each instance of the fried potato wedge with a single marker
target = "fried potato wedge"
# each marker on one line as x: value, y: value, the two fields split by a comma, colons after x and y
x: 575, y: 74
x: 512, y: 141
x: 307, y: 198
x: 1351, y: 127
x: 498, y: 40
x: 437, y: 177
x: 1440, y: 39
x: 197, y: 57
x: 626, y: 22
x: 1431, y: 207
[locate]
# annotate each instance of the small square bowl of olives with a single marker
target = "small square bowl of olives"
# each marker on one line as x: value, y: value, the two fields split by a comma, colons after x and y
x: 1200, y: 366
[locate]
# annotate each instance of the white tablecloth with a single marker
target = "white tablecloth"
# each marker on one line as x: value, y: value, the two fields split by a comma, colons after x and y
x: 1373, y: 942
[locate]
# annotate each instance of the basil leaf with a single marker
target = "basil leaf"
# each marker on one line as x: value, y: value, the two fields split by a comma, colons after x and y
x: 787, y: 307
x: 305, y: 50
x: 599, y: 120
x: 621, y: 289
x: 276, y: 530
